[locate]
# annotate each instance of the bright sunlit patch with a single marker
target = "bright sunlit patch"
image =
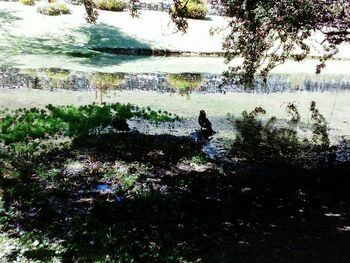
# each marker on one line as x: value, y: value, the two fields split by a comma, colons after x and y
x: 103, y: 187
x: 332, y: 215
x: 344, y: 228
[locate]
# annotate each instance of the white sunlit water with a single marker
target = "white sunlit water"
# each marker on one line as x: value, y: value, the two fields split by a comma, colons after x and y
x: 334, y: 105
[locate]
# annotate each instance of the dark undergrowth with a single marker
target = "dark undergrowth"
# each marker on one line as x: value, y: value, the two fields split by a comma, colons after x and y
x: 130, y: 197
x: 285, y: 143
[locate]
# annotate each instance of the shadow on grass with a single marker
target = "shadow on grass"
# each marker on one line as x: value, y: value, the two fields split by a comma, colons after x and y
x: 246, y: 215
x: 104, y: 35
x: 165, y: 150
x: 99, y: 35
x: 7, y: 17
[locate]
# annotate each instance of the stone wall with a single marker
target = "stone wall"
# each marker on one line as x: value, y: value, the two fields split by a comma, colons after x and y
x: 51, y: 79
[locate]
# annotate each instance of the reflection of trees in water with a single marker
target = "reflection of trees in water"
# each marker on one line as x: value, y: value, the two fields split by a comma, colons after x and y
x: 70, y: 45
x: 182, y: 83
x: 106, y: 81
x: 57, y: 76
x: 185, y: 82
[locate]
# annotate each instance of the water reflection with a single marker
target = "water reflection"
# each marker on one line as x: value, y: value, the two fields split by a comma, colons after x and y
x: 343, y: 150
x: 184, y: 83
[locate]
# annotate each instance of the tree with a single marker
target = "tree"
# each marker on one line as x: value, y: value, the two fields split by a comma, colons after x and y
x: 266, y: 33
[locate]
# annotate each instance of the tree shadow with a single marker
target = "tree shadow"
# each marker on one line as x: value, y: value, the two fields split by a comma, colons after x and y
x: 7, y: 17
x: 262, y: 214
x: 217, y: 219
x: 165, y: 150
x: 106, y: 36
x: 99, y: 35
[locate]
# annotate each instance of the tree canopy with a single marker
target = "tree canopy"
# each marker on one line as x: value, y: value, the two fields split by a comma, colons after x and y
x: 266, y: 33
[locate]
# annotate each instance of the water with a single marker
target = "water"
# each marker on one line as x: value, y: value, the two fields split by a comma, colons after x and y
x: 103, y: 187
x: 37, y: 88
x: 343, y: 150
x: 217, y: 107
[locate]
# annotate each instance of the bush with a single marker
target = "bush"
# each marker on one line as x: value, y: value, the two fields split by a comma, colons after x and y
x: 270, y: 142
x: 195, y: 9
x: 111, y: 5
x: 54, y: 9
x: 27, y: 2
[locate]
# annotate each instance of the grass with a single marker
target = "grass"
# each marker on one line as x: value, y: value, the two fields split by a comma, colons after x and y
x: 34, y: 131
x: 128, y: 180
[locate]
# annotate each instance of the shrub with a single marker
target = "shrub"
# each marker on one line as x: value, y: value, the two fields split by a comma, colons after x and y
x: 271, y: 142
x: 111, y: 5
x: 54, y: 9
x: 27, y: 2
x: 195, y: 9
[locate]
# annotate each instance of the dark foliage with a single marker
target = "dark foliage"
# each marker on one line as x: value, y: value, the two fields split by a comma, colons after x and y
x: 280, y: 143
x: 266, y: 33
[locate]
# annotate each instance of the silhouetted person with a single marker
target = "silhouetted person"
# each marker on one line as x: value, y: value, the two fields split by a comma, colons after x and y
x: 204, y: 122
